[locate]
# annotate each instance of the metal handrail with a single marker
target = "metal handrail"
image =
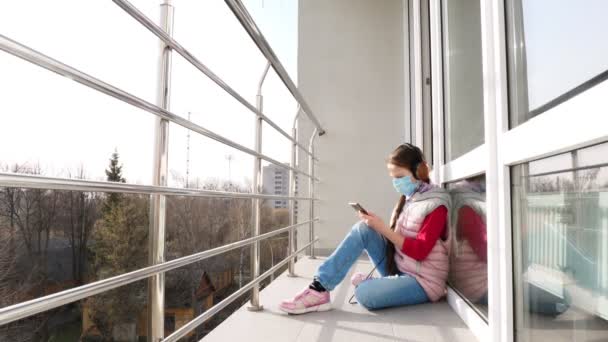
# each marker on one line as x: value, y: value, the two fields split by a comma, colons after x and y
x: 261, y: 82
x: 188, y: 327
x: 25, y: 309
x: 167, y: 39
x: 19, y: 50
x: 254, y: 32
x: 69, y: 184
x: 157, y: 264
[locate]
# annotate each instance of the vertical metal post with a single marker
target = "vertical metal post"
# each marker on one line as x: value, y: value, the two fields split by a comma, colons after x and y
x: 292, y: 192
x: 257, y: 188
x: 156, y: 237
x: 311, y: 190
x: 188, y: 155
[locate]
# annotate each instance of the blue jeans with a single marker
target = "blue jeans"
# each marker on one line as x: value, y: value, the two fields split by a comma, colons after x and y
x: 377, y: 293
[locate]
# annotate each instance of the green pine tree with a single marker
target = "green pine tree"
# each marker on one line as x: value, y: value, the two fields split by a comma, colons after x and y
x: 120, y: 246
x: 120, y: 239
x: 113, y: 174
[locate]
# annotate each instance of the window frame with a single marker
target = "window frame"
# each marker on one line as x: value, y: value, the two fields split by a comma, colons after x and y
x: 470, y: 164
x: 504, y: 147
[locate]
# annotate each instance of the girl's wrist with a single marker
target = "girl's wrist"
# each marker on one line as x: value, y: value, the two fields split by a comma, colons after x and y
x: 388, y: 232
x: 388, y: 229
x: 394, y: 237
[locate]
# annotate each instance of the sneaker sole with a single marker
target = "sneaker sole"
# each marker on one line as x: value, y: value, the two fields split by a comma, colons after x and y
x: 319, y: 308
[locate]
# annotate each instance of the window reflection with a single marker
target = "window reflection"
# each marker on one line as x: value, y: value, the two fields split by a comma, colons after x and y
x: 469, y: 268
x: 560, y: 227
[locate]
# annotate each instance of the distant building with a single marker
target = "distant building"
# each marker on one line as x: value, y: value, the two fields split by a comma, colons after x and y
x: 275, y: 181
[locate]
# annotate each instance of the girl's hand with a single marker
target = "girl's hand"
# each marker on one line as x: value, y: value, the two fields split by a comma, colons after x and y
x: 375, y: 222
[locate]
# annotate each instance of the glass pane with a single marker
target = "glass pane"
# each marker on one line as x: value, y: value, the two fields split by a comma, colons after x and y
x: 117, y: 315
x: 278, y: 22
x: 555, y: 52
x: 281, y: 108
x: 193, y: 289
x: 52, y: 241
x: 198, y: 224
x: 463, y: 82
x: 209, y: 30
x: 96, y: 37
x: 64, y: 129
x: 560, y: 227
x: 469, y: 263
x: 195, y: 224
x: 196, y: 161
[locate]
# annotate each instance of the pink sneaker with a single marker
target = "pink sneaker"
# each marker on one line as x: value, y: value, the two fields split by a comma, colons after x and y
x: 307, y: 300
x: 358, y: 277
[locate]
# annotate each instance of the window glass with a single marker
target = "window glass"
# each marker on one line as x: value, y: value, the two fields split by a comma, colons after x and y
x: 95, y: 37
x: 463, y: 83
x: 468, y: 260
x: 53, y: 241
x: 62, y: 128
x: 118, y: 314
x: 560, y: 228
x: 58, y: 240
x: 555, y: 52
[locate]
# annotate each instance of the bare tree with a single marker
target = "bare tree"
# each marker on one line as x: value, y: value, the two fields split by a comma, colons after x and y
x: 9, y: 203
x: 79, y: 212
x: 10, y: 291
x: 30, y: 215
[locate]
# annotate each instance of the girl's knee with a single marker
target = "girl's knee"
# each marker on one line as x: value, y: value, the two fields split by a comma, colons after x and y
x: 364, y: 295
x: 362, y: 228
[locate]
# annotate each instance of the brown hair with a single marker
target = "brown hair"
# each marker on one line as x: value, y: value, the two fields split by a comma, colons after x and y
x: 410, y: 157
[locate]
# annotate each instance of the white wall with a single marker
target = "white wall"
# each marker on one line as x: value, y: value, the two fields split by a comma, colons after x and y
x: 351, y: 71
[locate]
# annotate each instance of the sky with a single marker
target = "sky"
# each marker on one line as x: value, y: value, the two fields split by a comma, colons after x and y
x: 51, y: 120
x: 62, y: 125
x: 562, y: 35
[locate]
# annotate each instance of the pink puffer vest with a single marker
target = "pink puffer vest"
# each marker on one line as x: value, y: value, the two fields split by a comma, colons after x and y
x: 432, y: 272
x: 469, y: 273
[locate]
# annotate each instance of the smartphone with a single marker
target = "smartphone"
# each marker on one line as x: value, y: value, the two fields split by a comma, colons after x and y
x: 358, y: 207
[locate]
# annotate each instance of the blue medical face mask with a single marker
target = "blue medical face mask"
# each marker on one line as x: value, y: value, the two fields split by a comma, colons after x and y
x: 405, y: 185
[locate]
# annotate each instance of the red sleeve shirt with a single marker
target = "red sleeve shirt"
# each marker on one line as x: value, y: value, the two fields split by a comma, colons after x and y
x: 472, y: 228
x: 431, y: 229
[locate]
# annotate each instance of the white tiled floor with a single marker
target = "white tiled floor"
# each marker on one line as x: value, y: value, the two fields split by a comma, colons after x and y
x: 346, y: 322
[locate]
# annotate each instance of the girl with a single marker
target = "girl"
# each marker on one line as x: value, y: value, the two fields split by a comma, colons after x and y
x: 411, y: 254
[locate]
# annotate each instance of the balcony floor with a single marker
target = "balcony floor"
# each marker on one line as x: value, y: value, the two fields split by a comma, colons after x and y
x: 346, y: 322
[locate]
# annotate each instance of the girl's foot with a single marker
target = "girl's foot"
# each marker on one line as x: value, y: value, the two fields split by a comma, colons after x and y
x: 307, y: 300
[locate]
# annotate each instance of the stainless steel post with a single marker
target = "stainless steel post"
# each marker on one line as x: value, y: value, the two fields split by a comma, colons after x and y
x: 156, y: 237
x: 292, y: 190
x: 311, y: 189
x: 257, y: 189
